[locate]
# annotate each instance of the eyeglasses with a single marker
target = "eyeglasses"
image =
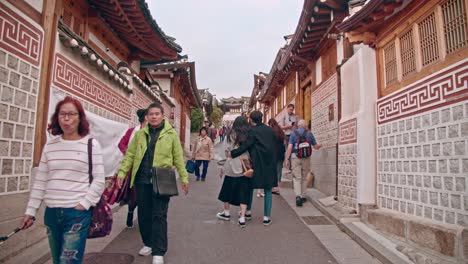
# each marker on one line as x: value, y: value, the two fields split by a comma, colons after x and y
x: 69, y: 114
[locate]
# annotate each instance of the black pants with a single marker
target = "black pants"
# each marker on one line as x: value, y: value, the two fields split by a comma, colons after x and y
x: 152, y: 218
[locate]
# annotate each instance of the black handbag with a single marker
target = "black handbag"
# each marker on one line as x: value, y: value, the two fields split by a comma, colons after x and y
x: 164, y: 181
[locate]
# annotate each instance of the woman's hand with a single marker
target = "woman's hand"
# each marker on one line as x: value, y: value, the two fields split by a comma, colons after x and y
x: 185, y: 188
x: 79, y: 207
x: 27, y: 222
x: 120, y: 182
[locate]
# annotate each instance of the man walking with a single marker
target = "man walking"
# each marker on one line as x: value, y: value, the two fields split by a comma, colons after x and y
x: 299, y: 150
x: 289, y: 123
x: 261, y: 146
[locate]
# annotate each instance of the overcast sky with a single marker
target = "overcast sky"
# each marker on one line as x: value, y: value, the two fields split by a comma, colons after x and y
x: 229, y: 40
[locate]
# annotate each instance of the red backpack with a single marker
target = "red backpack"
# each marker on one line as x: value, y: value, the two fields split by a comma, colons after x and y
x: 303, y: 145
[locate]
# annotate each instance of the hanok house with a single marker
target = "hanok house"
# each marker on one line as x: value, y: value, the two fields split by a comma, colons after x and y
x: 177, y: 80
x: 233, y: 107
x: 254, y: 104
x: 405, y: 100
x: 90, y: 50
x: 304, y: 74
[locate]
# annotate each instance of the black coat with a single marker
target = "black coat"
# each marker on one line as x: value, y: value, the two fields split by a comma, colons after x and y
x: 261, y: 146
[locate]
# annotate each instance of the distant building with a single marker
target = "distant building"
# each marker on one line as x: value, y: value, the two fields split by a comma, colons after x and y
x: 234, y: 107
x: 177, y: 81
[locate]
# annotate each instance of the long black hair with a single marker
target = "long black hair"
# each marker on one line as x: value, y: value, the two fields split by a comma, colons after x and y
x: 238, y: 132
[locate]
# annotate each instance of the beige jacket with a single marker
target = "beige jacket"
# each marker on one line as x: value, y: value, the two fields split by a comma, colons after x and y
x: 203, y: 149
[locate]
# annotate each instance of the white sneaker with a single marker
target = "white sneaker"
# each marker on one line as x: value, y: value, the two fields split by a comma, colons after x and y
x: 158, y: 260
x: 145, y: 251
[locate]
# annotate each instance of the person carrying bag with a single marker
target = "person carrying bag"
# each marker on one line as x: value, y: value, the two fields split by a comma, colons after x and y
x: 151, y: 156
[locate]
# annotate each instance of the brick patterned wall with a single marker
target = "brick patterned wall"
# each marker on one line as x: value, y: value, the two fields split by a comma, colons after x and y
x: 347, y: 159
x: 20, y: 56
x: 95, y: 109
x: 69, y: 77
x: 423, y: 150
x: 325, y: 131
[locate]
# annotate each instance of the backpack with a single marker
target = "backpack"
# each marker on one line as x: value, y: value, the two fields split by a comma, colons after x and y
x: 303, y: 145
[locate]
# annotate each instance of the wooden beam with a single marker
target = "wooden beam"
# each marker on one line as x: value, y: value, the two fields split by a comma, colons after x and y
x: 378, y: 15
x: 50, y: 17
x: 334, y: 4
x: 321, y: 10
x: 320, y: 19
x: 313, y: 28
x: 311, y: 35
x: 365, y: 37
x: 390, y: 7
x: 309, y: 44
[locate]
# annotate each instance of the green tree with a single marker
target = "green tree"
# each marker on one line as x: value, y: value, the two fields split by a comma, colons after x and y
x: 216, y: 116
x: 196, y: 119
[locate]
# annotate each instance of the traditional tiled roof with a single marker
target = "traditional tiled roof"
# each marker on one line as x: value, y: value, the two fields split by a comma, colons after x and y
x: 370, y: 17
x: 317, y: 20
x: 187, y: 73
x: 133, y: 23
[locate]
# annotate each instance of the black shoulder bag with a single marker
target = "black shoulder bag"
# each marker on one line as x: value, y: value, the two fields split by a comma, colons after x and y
x: 164, y: 179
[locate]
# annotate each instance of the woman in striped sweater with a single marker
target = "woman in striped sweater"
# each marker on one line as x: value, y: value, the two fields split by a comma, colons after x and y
x: 62, y: 183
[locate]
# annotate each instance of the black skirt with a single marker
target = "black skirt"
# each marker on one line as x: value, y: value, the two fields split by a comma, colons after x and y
x: 235, y: 190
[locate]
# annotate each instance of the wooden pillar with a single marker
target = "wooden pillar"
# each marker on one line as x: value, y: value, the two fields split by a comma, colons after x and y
x: 49, y: 21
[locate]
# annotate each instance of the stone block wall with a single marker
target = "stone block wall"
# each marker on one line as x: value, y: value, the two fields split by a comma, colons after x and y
x: 423, y: 148
x: 21, y: 42
x: 347, y: 164
x: 325, y: 130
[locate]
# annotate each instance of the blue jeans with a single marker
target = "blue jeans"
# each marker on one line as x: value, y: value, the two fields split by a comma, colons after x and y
x: 197, y: 168
x: 279, y: 170
x: 67, y: 229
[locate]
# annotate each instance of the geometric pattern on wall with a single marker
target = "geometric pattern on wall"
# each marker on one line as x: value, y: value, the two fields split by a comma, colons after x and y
x: 71, y: 78
x: 439, y: 89
x: 140, y: 100
x: 20, y: 37
x: 348, y: 132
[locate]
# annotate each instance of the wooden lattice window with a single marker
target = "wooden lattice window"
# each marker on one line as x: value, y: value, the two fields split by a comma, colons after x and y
x: 428, y: 39
x: 455, y: 25
x: 408, y: 60
x: 391, y: 74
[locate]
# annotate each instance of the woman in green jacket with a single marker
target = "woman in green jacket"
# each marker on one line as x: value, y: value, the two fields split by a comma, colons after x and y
x: 156, y: 145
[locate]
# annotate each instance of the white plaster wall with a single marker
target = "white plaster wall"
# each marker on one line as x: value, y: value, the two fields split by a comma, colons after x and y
x: 339, y: 51
x: 36, y: 4
x: 359, y: 94
x: 135, y: 65
x: 366, y: 168
x: 318, y: 71
x: 103, y: 47
x: 165, y: 84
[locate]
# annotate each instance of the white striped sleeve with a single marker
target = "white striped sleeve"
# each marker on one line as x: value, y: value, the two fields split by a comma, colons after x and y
x: 97, y: 186
x: 38, y: 188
